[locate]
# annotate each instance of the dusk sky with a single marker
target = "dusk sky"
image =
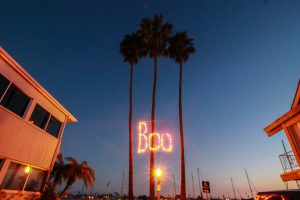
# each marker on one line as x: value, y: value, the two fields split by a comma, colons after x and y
x: 242, y: 77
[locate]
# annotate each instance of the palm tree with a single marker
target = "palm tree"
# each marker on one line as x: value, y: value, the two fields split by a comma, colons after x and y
x: 155, y: 34
x: 180, y: 48
x: 75, y: 171
x: 58, y: 171
x: 131, y: 49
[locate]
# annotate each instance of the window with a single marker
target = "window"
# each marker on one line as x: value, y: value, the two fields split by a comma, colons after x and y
x: 1, y: 163
x: 15, y: 177
x: 39, y: 117
x: 3, y: 84
x: 53, y: 126
x: 15, y: 100
x: 35, y: 180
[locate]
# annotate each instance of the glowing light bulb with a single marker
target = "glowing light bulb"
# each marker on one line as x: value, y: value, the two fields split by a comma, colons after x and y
x: 27, y: 169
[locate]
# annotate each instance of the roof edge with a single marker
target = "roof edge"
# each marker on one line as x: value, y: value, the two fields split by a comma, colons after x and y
x: 296, y: 97
x: 35, y: 84
x: 276, y: 126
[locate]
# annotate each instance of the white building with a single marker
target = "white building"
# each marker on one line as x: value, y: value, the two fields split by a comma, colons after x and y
x: 31, y: 127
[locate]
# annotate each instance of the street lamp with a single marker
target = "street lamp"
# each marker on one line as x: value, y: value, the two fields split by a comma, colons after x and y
x: 158, y: 174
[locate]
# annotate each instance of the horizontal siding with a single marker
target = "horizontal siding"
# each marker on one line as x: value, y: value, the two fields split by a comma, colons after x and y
x: 22, y: 141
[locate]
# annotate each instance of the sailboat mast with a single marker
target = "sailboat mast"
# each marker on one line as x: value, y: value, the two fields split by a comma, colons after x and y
x: 193, y: 184
x: 174, y: 185
x: 249, y: 184
x: 233, y: 188
x: 199, y: 183
x: 122, y: 187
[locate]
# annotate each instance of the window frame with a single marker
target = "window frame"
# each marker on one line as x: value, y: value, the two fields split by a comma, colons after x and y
x: 2, y: 161
x: 5, y: 91
x: 22, y: 91
x: 47, y: 123
x: 28, y: 108
x: 59, y: 131
x: 27, y: 176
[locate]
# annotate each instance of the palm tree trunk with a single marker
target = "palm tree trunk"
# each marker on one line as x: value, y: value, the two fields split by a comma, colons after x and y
x: 152, y: 181
x: 182, y: 160
x: 64, y: 190
x: 130, y: 185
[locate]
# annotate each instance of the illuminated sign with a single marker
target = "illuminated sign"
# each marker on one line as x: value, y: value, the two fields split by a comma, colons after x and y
x: 161, y: 142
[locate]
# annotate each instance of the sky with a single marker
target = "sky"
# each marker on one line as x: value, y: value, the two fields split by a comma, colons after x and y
x: 241, y: 78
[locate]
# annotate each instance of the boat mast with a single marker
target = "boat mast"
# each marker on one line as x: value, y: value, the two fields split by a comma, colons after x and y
x: 122, y: 187
x: 249, y: 184
x: 193, y: 184
x: 233, y: 188
x: 199, y: 184
x: 174, y: 185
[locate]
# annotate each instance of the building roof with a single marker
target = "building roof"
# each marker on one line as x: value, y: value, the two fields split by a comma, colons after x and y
x: 296, y: 97
x: 276, y: 126
x: 35, y: 84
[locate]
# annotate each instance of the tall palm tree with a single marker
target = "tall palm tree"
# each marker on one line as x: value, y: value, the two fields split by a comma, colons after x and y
x: 131, y: 49
x: 155, y: 34
x: 58, y: 171
x: 180, y: 47
x: 75, y: 171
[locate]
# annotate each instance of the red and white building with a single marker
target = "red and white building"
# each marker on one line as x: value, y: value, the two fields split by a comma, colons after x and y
x: 31, y: 128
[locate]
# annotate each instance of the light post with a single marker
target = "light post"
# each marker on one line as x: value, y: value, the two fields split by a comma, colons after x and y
x: 158, y: 174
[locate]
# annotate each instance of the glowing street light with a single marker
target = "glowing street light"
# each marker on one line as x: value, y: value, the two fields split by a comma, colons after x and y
x: 158, y: 174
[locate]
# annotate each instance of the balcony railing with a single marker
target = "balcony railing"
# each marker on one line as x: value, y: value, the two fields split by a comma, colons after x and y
x: 288, y: 161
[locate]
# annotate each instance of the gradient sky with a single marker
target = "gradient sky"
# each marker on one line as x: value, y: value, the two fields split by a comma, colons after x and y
x: 242, y: 77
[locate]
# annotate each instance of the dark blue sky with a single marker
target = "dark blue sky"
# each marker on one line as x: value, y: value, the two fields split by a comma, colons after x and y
x: 242, y: 77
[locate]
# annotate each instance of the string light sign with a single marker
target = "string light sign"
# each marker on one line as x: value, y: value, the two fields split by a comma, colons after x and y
x: 161, y: 141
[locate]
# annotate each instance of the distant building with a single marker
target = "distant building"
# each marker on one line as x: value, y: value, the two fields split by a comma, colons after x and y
x: 31, y: 127
x: 290, y: 123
